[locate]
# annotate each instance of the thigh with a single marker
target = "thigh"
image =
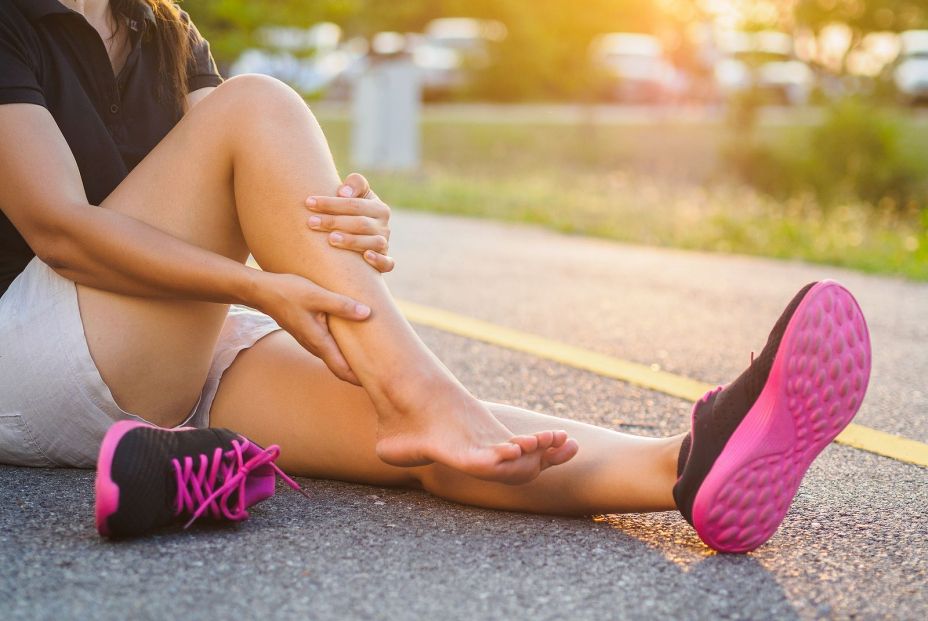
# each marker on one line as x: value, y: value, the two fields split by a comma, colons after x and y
x: 154, y: 354
x: 278, y: 393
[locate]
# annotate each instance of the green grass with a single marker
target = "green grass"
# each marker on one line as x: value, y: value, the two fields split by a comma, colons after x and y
x: 657, y: 185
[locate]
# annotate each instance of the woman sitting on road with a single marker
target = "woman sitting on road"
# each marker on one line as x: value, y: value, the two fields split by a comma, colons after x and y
x: 134, y: 184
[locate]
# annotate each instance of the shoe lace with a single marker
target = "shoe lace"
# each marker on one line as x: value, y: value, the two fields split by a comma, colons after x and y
x: 211, y: 482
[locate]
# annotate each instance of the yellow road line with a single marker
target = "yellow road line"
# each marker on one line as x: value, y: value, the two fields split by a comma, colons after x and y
x: 858, y: 436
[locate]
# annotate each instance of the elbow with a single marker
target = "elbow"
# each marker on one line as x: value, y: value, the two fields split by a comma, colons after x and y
x: 50, y: 244
x: 48, y: 251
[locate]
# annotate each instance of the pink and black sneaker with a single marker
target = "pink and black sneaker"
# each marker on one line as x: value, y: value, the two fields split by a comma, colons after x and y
x: 149, y: 477
x: 753, y: 440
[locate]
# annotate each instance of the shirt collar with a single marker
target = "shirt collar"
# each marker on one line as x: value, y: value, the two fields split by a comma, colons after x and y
x: 141, y: 16
x: 35, y: 10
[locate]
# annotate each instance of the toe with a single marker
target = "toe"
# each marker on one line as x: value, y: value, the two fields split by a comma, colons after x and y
x: 528, y: 444
x: 545, y: 439
x: 508, y: 451
x: 559, y: 455
x: 520, y: 471
x: 505, y: 463
x: 560, y: 437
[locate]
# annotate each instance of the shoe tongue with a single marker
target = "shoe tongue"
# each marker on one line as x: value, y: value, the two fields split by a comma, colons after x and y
x: 261, y: 482
x: 684, y: 454
x: 701, y: 408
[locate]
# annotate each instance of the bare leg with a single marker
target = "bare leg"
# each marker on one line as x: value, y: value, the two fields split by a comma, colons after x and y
x: 276, y: 393
x: 613, y: 473
x: 232, y: 177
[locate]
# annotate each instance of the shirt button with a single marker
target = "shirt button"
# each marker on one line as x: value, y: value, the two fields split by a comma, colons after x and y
x: 114, y: 108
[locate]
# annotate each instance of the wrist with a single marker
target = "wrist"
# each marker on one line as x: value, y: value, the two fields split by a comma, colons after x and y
x: 251, y: 288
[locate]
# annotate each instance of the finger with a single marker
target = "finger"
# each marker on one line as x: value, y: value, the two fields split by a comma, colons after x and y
x: 329, y: 352
x: 323, y: 300
x: 359, y: 243
x: 359, y: 225
x: 381, y: 262
x: 354, y: 185
x: 340, y: 206
x: 336, y: 205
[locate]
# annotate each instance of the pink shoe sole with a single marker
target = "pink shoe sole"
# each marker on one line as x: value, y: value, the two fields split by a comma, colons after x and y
x: 814, y: 389
x: 107, y: 492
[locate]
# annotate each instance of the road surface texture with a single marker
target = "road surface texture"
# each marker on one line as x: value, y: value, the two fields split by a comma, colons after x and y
x: 855, y: 543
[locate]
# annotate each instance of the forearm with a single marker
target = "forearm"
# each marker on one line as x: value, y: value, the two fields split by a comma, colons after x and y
x: 44, y: 198
x: 106, y: 250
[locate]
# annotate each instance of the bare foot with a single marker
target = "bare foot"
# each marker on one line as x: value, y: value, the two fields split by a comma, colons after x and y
x: 460, y: 432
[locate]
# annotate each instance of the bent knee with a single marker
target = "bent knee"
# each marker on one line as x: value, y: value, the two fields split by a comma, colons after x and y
x: 255, y: 95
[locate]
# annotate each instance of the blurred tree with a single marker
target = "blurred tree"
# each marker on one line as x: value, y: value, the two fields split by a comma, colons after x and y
x: 230, y: 25
x: 545, y: 54
x: 861, y: 17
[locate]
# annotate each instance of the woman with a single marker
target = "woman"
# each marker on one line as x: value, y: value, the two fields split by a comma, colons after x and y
x: 141, y: 183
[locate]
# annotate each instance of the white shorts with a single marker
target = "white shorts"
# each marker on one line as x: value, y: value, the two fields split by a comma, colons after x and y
x: 54, y: 405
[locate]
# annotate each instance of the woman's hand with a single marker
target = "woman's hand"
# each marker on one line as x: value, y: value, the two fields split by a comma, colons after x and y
x: 356, y: 220
x: 302, y: 307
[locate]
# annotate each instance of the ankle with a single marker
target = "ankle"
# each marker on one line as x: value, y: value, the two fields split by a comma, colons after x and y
x: 415, y: 392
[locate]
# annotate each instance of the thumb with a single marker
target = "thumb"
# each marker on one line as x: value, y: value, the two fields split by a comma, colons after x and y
x: 339, y: 305
x: 355, y: 186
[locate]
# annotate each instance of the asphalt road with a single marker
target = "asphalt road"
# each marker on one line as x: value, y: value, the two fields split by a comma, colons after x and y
x: 855, y: 543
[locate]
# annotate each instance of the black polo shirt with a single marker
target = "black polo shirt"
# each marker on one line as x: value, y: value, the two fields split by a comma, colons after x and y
x: 50, y: 56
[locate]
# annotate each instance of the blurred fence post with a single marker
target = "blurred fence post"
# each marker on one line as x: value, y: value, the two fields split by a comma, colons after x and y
x: 385, y: 117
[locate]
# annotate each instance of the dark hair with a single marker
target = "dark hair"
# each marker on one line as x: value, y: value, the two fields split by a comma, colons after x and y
x: 172, y: 33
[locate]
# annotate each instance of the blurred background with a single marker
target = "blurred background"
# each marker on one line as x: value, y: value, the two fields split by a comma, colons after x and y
x: 783, y: 128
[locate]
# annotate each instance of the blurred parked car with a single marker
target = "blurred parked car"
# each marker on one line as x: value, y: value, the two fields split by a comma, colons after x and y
x: 637, y: 68
x: 911, y: 72
x: 449, y: 48
x: 320, y: 38
x: 763, y: 61
x: 309, y: 59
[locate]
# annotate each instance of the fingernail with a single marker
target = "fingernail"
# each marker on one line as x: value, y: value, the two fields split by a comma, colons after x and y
x: 346, y: 191
x: 337, y: 238
x: 311, y: 201
x: 315, y: 221
x: 369, y: 254
x: 362, y: 310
